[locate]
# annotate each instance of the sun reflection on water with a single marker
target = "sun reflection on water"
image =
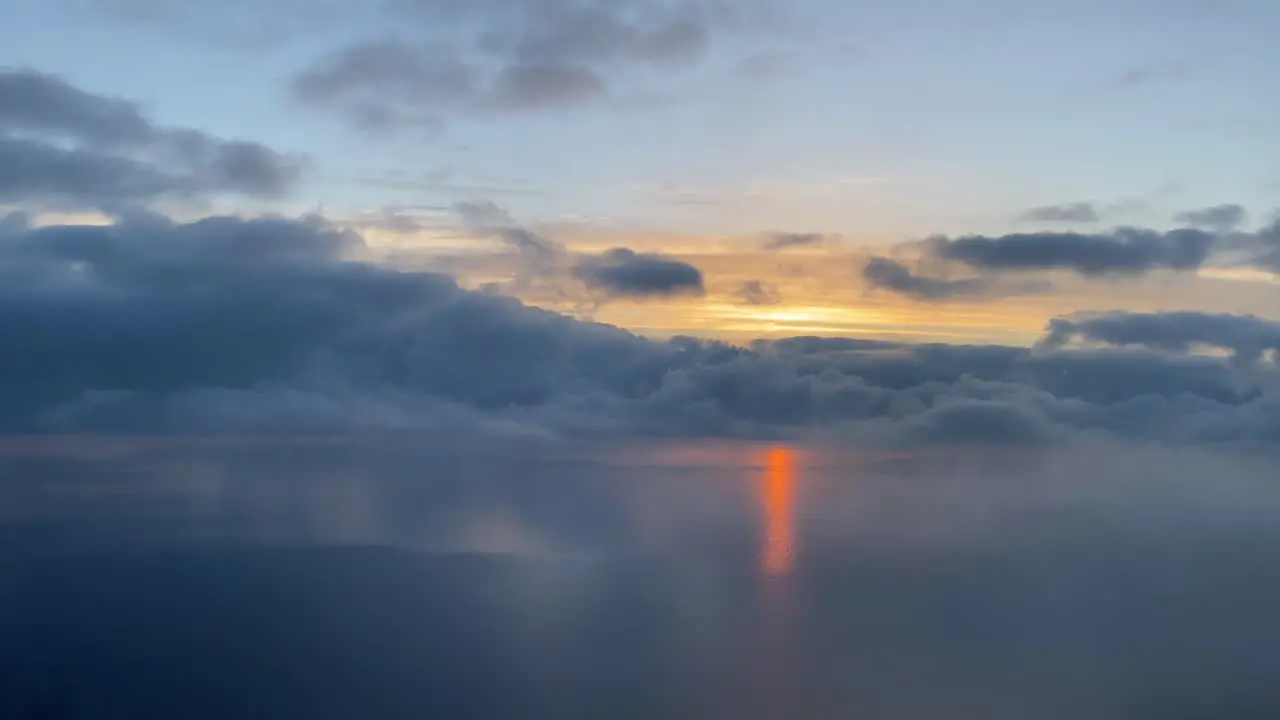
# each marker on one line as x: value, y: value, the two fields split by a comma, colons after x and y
x: 778, y: 500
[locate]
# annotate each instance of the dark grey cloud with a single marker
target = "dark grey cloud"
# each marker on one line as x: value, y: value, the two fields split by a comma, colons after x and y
x: 623, y: 272
x: 543, y: 267
x: 226, y: 323
x: 885, y: 274
x: 61, y: 146
x: 1126, y: 251
x: 1246, y: 336
x: 758, y: 292
x: 511, y: 56
x: 1264, y: 247
x: 783, y: 240
x: 36, y: 102
x: 1077, y: 212
x: 1221, y: 218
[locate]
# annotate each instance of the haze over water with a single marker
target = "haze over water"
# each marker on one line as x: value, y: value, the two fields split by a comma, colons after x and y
x: 394, y: 577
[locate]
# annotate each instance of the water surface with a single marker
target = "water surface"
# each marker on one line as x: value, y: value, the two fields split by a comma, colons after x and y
x: 406, y: 577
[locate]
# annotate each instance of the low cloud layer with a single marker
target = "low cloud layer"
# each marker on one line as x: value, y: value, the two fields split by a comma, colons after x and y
x: 66, y: 148
x: 225, y: 323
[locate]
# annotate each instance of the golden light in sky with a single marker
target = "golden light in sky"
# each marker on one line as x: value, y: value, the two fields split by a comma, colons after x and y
x: 778, y: 501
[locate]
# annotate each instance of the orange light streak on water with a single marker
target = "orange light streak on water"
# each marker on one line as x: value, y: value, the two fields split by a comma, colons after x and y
x: 778, y: 499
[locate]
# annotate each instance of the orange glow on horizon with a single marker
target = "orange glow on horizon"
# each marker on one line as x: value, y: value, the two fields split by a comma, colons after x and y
x: 778, y: 499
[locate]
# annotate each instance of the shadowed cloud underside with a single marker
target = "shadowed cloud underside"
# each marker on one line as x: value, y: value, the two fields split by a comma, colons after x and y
x: 150, y: 324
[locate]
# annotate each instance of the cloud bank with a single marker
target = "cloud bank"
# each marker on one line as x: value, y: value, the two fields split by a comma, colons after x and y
x: 268, y: 324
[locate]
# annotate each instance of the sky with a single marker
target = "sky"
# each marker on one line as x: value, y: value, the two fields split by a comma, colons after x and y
x: 286, y: 212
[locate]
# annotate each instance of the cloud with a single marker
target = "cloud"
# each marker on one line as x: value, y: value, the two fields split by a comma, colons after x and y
x: 1126, y: 251
x: 390, y: 219
x: 622, y: 272
x: 887, y: 274
x: 483, y: 214
x: 783, y: 240
x: 1143, y: 76
x: 540, y: 261
x: 275, y: 324
x: 34, y: 101
x: 1078, y: 212
x: 63, y: 147
x: 531, y: 87
x: 516, y: 56
x: 758, y: 292
x: 1221, y: 218
x: 982, y: 421
x: 1265, y: 247
x: 540, y: 266
x: 1246, y: 336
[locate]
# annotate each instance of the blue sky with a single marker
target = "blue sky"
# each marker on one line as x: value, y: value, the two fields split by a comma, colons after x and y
x: 870, y: 119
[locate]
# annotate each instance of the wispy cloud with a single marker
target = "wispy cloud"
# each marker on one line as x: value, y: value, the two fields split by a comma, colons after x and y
x: 1076, y: 212
x: 516, y: 57
x: 784, y: 240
